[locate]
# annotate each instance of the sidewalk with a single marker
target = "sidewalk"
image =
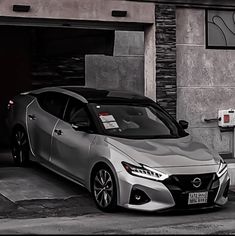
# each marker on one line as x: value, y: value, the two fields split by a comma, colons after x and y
x: 232, y: 188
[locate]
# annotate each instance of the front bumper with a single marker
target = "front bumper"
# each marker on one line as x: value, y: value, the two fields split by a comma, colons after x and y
x: 172, y: 192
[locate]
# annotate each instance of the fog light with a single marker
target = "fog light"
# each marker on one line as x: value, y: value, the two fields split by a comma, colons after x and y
x: 138, y: 197
x: 215, y: 184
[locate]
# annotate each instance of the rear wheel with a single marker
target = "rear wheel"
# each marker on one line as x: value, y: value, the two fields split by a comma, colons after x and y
x: 20, y: 147
x: 104, y: 189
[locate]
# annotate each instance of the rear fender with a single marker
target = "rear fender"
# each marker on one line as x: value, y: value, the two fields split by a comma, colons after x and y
x: 17, y: 113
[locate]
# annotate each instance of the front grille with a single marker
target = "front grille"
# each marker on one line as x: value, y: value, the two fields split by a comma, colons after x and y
x: 184, y: 182
x: 181, y: 185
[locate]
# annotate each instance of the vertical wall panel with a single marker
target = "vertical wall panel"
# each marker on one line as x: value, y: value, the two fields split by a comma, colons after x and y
x: 166, y: 57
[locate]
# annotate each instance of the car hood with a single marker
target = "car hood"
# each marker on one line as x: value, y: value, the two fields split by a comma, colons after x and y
x: 166, y: 152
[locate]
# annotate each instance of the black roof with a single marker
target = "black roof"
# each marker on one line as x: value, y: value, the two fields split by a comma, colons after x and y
x: 92, y: 95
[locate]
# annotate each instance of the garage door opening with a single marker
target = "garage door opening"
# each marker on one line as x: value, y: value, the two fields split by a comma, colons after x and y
x: 58, y: 55
x: 51, y: 56
x: 34, y: 57
x: 37, y: 56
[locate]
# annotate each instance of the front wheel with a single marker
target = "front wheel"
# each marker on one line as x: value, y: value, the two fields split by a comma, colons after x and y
x: 104, y: 189
x: 20, y: 147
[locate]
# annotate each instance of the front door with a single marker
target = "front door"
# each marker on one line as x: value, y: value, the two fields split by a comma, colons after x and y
x: 70, y: 147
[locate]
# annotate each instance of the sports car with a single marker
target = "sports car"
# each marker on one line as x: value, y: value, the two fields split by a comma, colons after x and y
x: 123, y: 147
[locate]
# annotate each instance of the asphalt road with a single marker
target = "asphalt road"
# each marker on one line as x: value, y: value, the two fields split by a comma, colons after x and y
x: 36, y: 201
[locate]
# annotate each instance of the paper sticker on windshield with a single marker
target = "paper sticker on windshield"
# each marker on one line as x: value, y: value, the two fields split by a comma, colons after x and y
x: 107, y: 118
x: 111, y: 125
x: 109, y: 121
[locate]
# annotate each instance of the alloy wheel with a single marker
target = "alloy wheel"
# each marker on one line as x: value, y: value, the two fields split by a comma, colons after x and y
x: 20, y: 150
x: 104, y: 190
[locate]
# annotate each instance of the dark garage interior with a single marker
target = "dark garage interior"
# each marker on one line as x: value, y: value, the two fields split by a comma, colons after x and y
x: 34, y: 57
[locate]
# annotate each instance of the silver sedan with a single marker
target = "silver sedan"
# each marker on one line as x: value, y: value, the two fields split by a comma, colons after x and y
x: 124, y: 148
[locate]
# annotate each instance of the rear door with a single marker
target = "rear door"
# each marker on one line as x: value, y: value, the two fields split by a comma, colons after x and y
x: 70, y: 147
x: 42, y: 116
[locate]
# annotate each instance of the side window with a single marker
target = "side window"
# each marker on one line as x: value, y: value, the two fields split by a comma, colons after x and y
x: 53, y: 102
x: 75, y: 112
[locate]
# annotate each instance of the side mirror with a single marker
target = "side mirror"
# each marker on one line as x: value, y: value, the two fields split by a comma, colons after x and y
x: 82, y: 126
x: 183, y: 124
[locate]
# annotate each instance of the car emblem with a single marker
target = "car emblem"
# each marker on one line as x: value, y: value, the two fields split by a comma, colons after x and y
x: 196, y: 182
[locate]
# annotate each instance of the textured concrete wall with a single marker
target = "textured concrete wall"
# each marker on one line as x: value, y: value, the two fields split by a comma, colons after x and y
x: 122, y: 73
x: 124, y: 70
x: 129, y: 43
x: 90, y: 10
x: 205, y: 79
x: 150, y: 61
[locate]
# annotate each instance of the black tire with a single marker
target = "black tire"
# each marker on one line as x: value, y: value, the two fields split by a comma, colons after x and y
x: 20, y: 147
x: 104, y: 190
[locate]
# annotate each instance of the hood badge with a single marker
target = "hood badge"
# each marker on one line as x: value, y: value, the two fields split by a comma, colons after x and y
x: 196, y: 182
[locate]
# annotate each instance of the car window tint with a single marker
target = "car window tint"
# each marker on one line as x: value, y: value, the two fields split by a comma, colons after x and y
x: 53, y: 102
x: 75, y: 112
x: 133, y: 120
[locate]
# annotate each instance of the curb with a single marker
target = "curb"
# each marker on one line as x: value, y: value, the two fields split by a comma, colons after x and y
x: 6, y: 205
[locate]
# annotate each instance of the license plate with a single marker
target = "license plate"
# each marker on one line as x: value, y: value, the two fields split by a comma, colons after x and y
x: 197, y: 198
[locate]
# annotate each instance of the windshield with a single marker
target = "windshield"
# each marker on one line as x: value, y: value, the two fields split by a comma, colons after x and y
x: 136, y: 121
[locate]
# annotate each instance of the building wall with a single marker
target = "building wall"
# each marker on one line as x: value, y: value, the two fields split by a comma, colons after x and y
x: 83, y: 10
x: 124, y: 70
x: 166, y: 57
x: 205, y: 79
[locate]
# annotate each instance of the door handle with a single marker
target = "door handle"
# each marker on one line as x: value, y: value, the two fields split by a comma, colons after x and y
x: 58, y: 131
x: 32, y: 117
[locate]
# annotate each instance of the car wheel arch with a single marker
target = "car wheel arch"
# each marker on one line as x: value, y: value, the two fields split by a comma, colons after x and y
x: 18, y: 126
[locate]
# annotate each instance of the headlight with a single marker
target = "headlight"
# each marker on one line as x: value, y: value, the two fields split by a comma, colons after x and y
x: 222, y: 168
x: 144, y: 172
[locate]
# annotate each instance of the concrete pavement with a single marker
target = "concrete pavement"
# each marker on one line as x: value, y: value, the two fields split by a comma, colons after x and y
x: 124, y: 222
x: 37, y: 192
x: 18, y: 184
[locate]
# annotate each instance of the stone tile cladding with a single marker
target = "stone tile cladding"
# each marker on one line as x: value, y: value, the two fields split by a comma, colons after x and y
x: 166, y: 56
